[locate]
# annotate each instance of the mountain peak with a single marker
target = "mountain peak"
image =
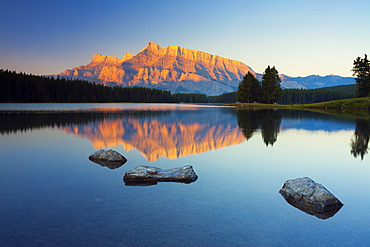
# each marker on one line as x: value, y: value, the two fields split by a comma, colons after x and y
x: 98, y: 58
x: 152, y: 46
x: 127, y: 56
x: 173, y: 68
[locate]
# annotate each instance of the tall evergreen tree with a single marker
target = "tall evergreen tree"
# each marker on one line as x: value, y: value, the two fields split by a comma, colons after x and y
x: 249, y: 89
x: 270, y: 90
x: 361, y: 69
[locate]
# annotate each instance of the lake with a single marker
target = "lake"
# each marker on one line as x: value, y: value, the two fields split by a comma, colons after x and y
x: 53, y: 195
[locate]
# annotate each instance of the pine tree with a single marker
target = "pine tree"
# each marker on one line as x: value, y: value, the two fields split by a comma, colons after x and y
x: 249, y: 89
x: 361, y: 69
x: 271, y: 90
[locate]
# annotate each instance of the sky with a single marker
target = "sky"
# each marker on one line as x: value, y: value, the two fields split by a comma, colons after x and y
x: 299, y: 38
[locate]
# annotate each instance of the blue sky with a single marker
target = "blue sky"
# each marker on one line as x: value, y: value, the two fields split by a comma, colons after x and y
x: 299, y: 38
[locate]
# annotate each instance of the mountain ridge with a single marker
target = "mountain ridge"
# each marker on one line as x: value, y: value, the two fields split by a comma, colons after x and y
x: 181, y: 70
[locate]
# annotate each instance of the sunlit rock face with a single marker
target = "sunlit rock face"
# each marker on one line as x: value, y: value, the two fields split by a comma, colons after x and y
x: 172, y: 68
x: 168, y: 135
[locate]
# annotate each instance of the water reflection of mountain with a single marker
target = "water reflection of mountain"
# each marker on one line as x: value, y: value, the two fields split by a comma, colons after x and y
x: 271, y: 121
x: 176, y: 132
x: 326, y: 122
x: 313, y: 121
x: 172, y: 134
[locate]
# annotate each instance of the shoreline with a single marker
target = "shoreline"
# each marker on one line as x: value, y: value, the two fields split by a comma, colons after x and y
x: 343, y: 104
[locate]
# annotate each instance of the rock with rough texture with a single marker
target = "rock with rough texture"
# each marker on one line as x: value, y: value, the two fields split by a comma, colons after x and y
x: 109, y: 158
x: 310, y: 197
x: 149, y: 175
x: 172, y: 68
x: 182, y: 70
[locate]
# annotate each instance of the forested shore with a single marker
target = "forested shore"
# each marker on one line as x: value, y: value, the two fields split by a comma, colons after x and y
x: 21, y: 87
x: 27, y: 88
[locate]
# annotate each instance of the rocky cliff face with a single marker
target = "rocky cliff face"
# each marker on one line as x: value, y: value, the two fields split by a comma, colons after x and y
x: 182, y: 70
x: 172, y: 68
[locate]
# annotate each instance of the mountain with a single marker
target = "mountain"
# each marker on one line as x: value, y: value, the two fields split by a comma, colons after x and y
x: 316, y: 81
x: 182, y: 70
x: 172, y: 68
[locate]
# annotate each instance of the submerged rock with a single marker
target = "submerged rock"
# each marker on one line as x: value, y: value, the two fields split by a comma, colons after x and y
x: 310, y: 197
x: 149, y: 175
x: 109, y: 158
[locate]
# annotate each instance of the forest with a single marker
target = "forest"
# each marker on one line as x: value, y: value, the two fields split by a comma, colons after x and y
x: 307, y: 96
x: 22, y: 87
x: 289, y: 96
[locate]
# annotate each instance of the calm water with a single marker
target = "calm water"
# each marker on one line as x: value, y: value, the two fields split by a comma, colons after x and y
x: 52, y: 195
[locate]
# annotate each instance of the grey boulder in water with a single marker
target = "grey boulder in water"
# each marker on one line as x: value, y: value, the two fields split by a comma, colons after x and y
x: 109, y: 158
x: 149, y: 175
x: 310, y: 197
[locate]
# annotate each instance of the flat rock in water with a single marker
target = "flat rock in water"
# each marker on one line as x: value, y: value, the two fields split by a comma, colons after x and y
x: 310, y: 197
x: 149, y: 175
x: 109, y: 158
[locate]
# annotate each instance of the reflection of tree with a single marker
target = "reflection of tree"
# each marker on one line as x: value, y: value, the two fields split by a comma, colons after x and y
x: 268, y: 120
x: 270, y: 126
x: 13, y: 122
x: 248, y: 121
x: 361, y: 139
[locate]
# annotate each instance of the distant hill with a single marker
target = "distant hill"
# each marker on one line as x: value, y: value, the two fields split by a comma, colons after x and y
x: 343, y: 88
x: 316, y: 81
x: 182, y: 70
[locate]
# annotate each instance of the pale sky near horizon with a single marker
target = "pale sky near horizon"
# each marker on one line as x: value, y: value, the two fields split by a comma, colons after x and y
x: 299, y: 38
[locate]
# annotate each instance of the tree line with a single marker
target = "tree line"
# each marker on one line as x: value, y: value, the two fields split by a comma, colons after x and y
x: 21, y: 87
x: 268, y: 90
x: 307, y: 96
x: 202, y: 98
x: 288, y: 96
